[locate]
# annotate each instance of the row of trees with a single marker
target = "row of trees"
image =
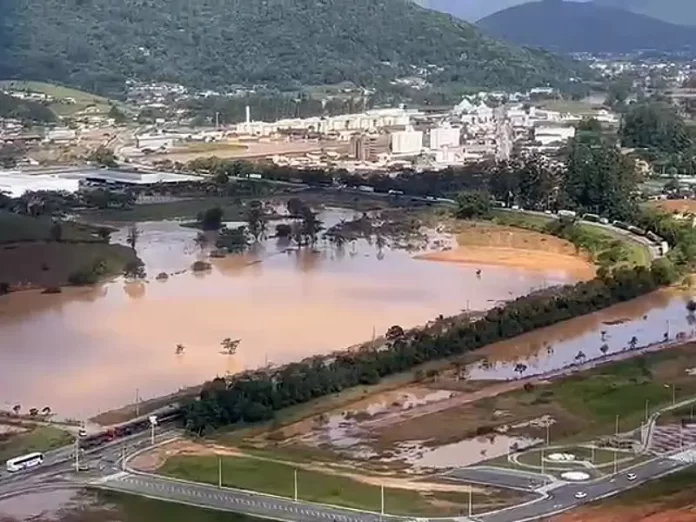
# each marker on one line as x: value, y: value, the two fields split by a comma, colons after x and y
x: 255, y: 396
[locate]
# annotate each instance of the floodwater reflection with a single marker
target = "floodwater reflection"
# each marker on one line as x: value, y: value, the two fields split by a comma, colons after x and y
x: 89, y: 350
x: 644, y: 322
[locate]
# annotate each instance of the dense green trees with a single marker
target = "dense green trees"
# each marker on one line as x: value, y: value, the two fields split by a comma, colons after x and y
x: 473, y: 205
x: 599, y: 179
x: 24, y: 110
x: 255, y: 396
x: 98, y: 44
x: 654, y: 125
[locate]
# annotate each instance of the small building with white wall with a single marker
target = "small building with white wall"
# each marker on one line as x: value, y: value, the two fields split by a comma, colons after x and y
x: 408, y: 141
x: 444, y: 136
x: 547, y: 134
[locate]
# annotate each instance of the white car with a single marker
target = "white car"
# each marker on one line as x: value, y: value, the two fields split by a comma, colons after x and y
x: 631, y: 476
x: 580, y: 495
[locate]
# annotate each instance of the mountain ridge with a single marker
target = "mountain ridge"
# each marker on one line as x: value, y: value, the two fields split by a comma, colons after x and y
x: 680, y: 12
x: 585, y: 27
x: 97, y: 44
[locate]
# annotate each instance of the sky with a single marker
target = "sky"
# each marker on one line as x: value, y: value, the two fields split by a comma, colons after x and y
x: 470, y: 10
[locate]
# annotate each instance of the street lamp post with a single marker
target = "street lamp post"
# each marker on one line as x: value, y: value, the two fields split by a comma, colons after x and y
x: 220, y: 472
x: 295, y: 483
x: 153, y: 423
x: 471, y: 503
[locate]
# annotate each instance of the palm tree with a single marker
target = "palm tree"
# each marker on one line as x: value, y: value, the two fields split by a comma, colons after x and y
x: 580, y: 356
x: 604, y: 349
x: 16, y: 409
x: 46, y: 410
x: 180, y: 349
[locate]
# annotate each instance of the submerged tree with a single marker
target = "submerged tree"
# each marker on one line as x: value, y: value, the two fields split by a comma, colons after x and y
x: 229, y: 346
x: 133, y: 235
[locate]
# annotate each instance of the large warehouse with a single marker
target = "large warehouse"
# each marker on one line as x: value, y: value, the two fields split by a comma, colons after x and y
x: 15, y: 184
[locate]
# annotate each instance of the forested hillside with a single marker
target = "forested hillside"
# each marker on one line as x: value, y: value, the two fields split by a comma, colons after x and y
x: 585, y: 27
x: 97, y: 44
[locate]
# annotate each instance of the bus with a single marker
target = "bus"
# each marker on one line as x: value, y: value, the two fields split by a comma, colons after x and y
x: 24, y: 461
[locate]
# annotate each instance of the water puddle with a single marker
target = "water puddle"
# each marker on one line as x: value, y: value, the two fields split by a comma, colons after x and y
x: 463, y: 453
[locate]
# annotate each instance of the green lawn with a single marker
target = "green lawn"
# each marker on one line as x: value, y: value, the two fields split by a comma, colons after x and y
x: 278, y: 479
x: 82, y: 99
x: 19, y: 228
x: 42, y: 438
x: 233, y: 208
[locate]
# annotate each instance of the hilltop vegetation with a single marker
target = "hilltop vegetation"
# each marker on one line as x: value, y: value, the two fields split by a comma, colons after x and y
x: 97, y: 44
x: 585, y: 27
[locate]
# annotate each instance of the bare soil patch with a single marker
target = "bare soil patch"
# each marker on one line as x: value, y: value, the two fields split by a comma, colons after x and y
x: 492, y: 244
x: 682, y: 206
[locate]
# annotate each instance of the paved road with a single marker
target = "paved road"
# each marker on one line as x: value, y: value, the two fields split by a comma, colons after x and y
x: 498, y: 477
x: 563, y: 498
x: 232, y: 500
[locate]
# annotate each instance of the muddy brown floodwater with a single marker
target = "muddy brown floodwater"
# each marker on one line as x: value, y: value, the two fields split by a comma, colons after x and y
x: 90, y: 350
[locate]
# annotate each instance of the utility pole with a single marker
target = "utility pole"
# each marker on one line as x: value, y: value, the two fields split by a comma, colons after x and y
x: 220, y: 472
x: 471, y: 504
x: 542, y: 465
x: 548, y: 430
x: 593, y: 454
x: 137, y: 402
x: 77, y: 454
x: 617, y: 425
x: 295, y: 485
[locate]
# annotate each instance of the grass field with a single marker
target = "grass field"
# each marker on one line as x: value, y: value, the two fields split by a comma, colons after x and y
x: 278, y: 479
x: 18, y: 228
x: 41, y: 438
x: 233, y: 208
x: 83, y: 99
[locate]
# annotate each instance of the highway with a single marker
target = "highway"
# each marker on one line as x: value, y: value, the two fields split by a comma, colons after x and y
x: 106, y: 470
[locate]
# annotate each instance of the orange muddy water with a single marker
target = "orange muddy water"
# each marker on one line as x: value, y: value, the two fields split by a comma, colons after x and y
x: 90, y: 350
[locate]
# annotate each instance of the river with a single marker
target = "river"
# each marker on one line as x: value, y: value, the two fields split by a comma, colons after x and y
x: 89, y: 350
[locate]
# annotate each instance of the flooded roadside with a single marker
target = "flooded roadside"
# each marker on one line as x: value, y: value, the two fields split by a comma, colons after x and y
x: 647, y: 322
x: 89, y: 350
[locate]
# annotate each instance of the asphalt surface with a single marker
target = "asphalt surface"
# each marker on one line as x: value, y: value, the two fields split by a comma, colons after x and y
x: 563, y: 497
x: 233, y: 500
x: 498, y: 477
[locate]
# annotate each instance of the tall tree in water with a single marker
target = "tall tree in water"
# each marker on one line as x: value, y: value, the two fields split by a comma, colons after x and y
x: 256, y: 220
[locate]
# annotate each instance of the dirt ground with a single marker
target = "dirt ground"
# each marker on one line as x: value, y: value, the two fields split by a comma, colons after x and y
x: 491, y: 244
x: 254, y: 150
x: 676, y: 205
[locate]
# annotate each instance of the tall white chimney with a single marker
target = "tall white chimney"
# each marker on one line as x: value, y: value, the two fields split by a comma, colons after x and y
x: 248, y: 114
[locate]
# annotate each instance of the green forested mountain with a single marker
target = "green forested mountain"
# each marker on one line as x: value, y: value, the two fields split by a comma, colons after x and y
x: 565, y: 26
x: 96, y: 44
x: 681, y: 12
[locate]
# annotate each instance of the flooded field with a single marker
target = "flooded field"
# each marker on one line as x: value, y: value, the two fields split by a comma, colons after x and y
x: 644, y: 324
x: 89, y: 350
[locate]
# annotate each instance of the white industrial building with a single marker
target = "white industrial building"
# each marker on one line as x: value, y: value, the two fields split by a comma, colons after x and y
x: 132, y: 177
x: 14, y: 184
x: 546, y: 134
x: 408, y: 141
x: 368, y: 121
x: 60, y: 134
x: 444, y: 136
